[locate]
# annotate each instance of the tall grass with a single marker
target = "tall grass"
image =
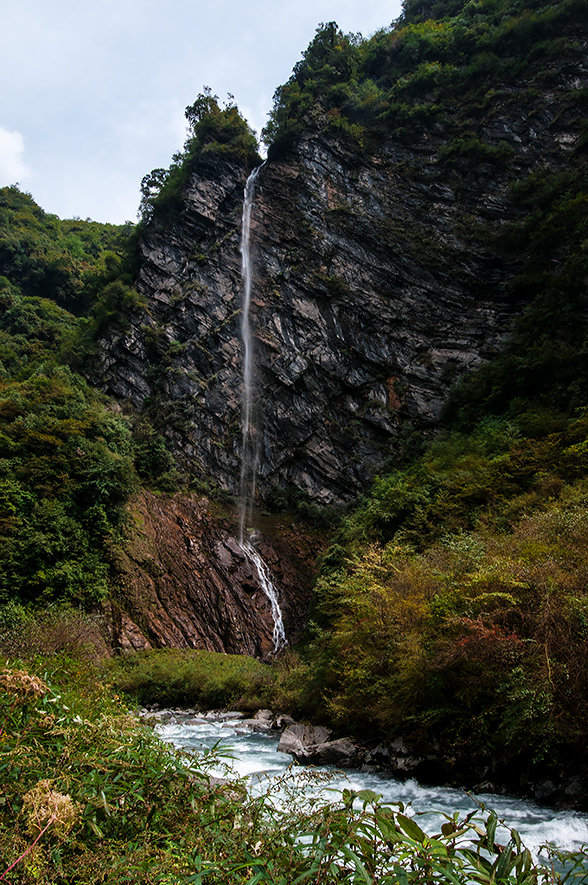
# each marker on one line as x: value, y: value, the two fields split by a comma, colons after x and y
x: 190, y: 678
x: 90, y: 796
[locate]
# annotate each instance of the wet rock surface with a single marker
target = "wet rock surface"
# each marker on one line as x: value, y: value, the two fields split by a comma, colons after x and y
x: 297, y: 737
x: 185, y: 583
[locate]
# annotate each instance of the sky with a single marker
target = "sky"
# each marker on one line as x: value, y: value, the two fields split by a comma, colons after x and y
x: 94, y: 93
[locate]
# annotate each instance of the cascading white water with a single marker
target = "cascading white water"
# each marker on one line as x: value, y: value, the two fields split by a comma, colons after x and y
x: 250, y: 441
x: 255, y: 756
x: 279, y: 636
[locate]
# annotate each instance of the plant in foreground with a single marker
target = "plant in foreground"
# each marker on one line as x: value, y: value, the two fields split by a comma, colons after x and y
x: 363, y: 840
x: 91, y: 796
x: 46, y: 808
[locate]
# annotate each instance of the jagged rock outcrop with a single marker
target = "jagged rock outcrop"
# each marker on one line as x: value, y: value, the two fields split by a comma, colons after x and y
x: 371, y: 297
x: 184, y: 582
x: 312, y: 745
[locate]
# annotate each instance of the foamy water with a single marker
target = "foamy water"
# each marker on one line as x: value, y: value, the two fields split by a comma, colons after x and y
x: 255, y: 757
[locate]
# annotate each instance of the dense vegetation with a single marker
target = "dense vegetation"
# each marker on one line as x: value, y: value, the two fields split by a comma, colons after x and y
x: 48, y: 257
x: 213, y: 133
x: 438, y: 71
x: 208, y: 680
x: 69, y: 459
x: 90, y: 796
x: 453, y: 610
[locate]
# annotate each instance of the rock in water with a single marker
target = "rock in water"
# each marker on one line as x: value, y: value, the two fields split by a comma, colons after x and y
x: 296, y: 737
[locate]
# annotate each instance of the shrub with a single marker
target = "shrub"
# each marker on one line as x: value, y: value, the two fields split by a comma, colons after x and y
x: 212, y: 130
x: 204, y: 679
x: 91, y: 796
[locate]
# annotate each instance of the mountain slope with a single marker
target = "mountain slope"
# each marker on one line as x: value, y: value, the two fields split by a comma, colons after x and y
x: 422, y: 189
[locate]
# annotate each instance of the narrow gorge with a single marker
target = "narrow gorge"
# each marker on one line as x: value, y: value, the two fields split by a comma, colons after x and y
x: 299, y: 463
x: 325, y: 412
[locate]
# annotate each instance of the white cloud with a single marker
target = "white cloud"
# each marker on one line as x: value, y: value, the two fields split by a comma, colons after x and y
x: 100, y: 89
x: 12, y: 165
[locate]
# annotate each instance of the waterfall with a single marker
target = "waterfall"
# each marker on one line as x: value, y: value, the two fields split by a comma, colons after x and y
x: 265, y: 579
x: 250, y: 442
x: 250, y: 439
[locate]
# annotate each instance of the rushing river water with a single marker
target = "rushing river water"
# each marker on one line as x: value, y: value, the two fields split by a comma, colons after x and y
x: 255, y: 757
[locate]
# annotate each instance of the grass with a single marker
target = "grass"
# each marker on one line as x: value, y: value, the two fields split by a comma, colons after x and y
x: 190, y: 678
x: 91, y: 796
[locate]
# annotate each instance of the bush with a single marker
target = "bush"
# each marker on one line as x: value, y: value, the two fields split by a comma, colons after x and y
x: 453, y: 607
x: 178, y: 677
x: 212, y: 130
x: 91, y: 796
x: 57, y: 629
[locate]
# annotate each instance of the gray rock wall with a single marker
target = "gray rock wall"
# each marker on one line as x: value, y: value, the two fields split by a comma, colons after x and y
x: 371, y: 297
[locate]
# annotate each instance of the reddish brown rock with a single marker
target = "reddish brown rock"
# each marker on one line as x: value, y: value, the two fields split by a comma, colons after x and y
x: 184, y: 582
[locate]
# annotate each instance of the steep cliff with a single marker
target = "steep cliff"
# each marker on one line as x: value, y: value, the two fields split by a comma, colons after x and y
x: 379, y: 278
x: 184, y: 582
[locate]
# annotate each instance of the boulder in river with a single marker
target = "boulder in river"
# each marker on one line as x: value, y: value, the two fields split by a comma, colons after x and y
x: 311, y: 744
x: 296, y: 737
x: 342, y: 752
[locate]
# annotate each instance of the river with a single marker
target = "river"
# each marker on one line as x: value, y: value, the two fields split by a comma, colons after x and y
x: 255, y: 757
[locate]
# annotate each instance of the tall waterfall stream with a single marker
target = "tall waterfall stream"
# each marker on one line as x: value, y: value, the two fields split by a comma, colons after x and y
x: 250, y: 440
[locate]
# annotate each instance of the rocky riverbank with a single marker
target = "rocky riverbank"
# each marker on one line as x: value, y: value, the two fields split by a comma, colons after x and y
x: 318, y: 745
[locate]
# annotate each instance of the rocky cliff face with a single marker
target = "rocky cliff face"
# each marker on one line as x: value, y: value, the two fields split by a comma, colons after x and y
x: 374, y: 290
x: 184, y: 582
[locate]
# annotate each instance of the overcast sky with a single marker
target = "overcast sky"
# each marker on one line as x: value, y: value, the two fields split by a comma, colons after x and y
x: 94, y: 93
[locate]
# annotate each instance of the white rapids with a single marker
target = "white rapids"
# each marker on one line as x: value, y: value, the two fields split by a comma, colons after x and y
x: 279, y: 636
x: 254, y: 756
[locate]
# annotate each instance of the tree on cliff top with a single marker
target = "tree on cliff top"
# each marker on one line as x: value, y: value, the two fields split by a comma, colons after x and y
x: 212, y: 130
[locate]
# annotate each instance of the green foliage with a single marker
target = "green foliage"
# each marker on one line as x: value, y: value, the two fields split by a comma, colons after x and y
x: 178, y: 677
x: 326, y: 70
x: 26, y: 632
x: 212, y: 132
x: 31, y: 330
x: 91, y: 796
x: 66, y: 471
x: 469, y: 147
x: 436, y: 58
x: 116, y: 301
x: 454, y: 605
x: 444, y: 489
x: 47, y: 257
x: 67, y: 458
x: 137, y: 803
x: 153, y: 462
